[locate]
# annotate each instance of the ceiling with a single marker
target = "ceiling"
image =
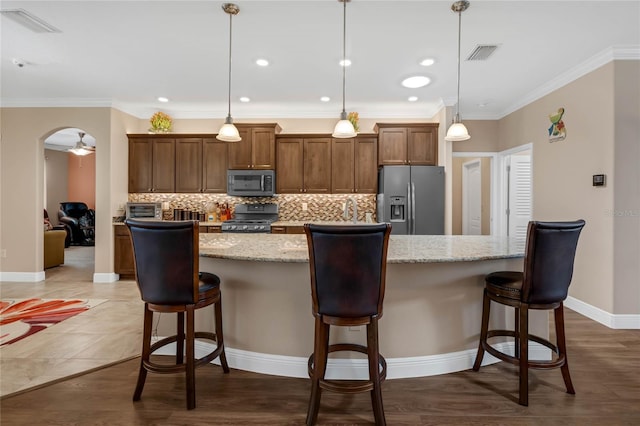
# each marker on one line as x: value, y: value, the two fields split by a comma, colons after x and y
x: 127, y: 53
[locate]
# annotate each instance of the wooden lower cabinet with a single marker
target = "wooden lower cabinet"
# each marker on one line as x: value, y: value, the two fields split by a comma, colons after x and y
x: 287, y: 229
x: 123, y: 256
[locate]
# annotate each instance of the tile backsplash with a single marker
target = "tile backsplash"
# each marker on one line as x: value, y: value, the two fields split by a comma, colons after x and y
x: 291, y: 206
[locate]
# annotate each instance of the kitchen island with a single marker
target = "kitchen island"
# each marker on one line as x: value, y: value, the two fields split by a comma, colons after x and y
x: 432, y: 306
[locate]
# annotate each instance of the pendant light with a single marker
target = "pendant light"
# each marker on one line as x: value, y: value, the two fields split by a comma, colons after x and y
x: 344, y: 128
x: 457, y: 131
x: 228, y: 132
x: 81, y: 148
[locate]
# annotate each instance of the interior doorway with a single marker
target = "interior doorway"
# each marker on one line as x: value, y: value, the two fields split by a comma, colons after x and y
x: 516, y: 192
x: 69, y: 177
x: 472, y: 198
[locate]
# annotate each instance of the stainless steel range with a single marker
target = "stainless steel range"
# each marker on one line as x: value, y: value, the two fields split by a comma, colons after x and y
x: 256, y: 218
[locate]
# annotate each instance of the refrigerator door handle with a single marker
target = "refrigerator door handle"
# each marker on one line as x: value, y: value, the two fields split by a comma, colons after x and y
x: 413, y: 208
x: 409, y: 209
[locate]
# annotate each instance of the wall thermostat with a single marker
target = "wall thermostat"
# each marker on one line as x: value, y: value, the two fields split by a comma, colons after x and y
x: 599, y: 180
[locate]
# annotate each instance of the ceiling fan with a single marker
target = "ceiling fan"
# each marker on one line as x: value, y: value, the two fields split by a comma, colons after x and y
x: 82, y: 148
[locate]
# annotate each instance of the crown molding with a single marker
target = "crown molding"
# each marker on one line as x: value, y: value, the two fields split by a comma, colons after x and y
x: 608, y: 55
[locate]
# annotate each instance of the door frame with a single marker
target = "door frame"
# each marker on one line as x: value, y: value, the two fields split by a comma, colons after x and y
x: 504, y: 160
x: 493, y: 196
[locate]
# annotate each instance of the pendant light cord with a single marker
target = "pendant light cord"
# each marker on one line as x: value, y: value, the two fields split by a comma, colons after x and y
x: 344, y: 55
x: 457, y: 119
x: 230, y: 35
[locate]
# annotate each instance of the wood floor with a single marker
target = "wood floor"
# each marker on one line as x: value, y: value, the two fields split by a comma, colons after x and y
x: 604, y: 364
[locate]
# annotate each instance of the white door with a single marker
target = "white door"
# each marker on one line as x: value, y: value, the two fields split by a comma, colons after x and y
x: 519, y: 206
x: 471, y: 198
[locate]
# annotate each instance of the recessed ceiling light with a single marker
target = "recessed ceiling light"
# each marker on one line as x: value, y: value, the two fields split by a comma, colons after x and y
x: 262, y: 62
x: 412, y: 98
x: 244, y: 99
x: 483, y: 104
x: 427, y: 62
x: 416, y: 81
x: 162, y: 99
x: 345, y: 63
x: 325, y: 99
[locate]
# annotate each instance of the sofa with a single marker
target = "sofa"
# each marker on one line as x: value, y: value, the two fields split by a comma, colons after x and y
x: 54, y: 248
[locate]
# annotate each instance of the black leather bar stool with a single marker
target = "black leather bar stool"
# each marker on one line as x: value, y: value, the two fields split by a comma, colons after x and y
x: 348, y: 271
x: 166, y: 262
x: 544, y: 284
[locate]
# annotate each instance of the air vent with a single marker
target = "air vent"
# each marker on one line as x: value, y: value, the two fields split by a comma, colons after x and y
x: 29, y: 21
x: 482, y: 52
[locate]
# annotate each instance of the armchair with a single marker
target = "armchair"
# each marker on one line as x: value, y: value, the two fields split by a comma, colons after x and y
x: 81, y: 219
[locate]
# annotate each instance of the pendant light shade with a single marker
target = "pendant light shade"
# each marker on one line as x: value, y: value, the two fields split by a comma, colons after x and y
x: 457, y: 131
x: 344, y: 128
x: 228, y: 132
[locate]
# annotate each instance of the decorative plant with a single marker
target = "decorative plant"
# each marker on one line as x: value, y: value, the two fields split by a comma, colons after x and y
x: 160, y: 122
x: 353, y: 118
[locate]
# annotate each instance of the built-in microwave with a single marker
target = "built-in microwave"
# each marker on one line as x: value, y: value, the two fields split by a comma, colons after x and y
x: 144, y: 210
x: 251, y: 183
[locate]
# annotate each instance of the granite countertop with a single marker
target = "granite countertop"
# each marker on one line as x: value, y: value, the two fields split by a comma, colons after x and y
x: 402, y: 248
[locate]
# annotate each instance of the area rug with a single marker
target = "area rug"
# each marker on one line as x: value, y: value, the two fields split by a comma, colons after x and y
x: 20, y: 318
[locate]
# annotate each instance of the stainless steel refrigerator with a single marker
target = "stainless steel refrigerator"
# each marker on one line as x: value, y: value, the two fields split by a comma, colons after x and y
x: 411, y: 198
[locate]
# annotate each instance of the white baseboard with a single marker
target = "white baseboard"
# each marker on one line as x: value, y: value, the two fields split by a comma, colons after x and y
x: 22, y: 277
x: 357, y: 369
x: 108, y: 277
x: 628, y: 322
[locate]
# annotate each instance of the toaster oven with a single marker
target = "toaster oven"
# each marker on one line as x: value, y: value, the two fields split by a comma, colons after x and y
x: 144, y: 211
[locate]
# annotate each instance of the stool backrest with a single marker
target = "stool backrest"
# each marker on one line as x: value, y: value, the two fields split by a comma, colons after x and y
x: 348, y: 268
x: 548, y: 260
x: 166, y: 260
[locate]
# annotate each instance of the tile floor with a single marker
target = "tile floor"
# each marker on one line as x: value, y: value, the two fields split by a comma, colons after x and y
x: 107, y: 333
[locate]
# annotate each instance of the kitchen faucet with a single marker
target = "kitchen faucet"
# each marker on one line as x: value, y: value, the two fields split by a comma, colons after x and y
x: 345, y: 213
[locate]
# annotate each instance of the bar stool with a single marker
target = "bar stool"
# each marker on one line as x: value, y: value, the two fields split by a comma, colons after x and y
x: 166, y: 263
x: 544, y: 284
x: 348, y: 271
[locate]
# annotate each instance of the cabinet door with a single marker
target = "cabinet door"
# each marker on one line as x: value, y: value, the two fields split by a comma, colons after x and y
x: 123, y: 252
x: 289, y: 177
x: 422, y: 144
x: 317, y: 165
x: 392, y: 146
x: 240, y: 152
x: 342, y: 166
x: 163, y: 169
x: 214, y: 165
x: 140, y: 165
x: 189, y: 165
x: 366, y: 165
x: 263, y: 143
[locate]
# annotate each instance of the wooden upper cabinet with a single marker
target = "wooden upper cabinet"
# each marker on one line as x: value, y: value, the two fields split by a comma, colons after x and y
x: 189, y: 165
x: 289, y: 171
x: 256, y: 150
x: 354, y: 165
x: 303, y: 165
x: 366, y: 164
x: 342, y: 166
x: 214, y: 165
x: 317, y: 165
x: 415, y: 144
x: 151, y: 165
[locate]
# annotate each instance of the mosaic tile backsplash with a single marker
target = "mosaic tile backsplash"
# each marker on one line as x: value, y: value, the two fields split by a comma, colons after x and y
x: 319, y: 207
